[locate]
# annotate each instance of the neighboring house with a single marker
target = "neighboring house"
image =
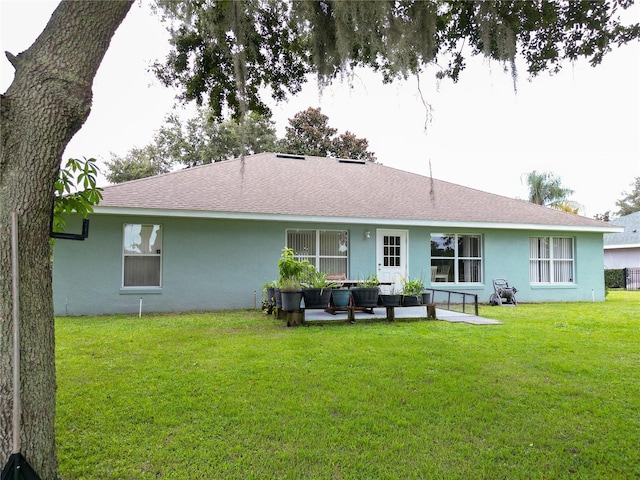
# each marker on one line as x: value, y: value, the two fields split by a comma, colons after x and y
x: 622, y: 249
x: 209, y: 237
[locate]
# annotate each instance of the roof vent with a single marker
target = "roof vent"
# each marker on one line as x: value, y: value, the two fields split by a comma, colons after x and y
x: 294, y: 157
x: 357, y: 162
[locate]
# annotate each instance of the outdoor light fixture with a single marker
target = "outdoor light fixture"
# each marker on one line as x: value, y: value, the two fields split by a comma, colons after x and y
x: 367, y: 234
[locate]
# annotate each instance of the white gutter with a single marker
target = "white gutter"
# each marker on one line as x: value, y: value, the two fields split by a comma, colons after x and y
x: 273, y: 217
x: 616, y: 247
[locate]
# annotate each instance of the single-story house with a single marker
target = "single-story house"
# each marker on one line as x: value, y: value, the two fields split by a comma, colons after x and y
x: 210, y: 237
x: 622, y: 249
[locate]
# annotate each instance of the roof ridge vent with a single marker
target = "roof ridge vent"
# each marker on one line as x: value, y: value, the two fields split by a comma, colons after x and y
x: 294, y: 157
x: 357, y: 162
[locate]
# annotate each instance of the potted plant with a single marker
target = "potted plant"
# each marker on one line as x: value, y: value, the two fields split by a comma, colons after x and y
x: 426, y: 298
x: 292, y: 272
x: 392, y: 299
x: 340, y: 297
x: 277, y: 294
x: 412, y: 291
x: 316, y: 290
x: 289, y: 267
x: 269, y: 294
x: 291, y: 294
x: 365, y: 294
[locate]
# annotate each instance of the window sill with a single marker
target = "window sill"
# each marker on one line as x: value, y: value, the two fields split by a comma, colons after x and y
x: 553, y: 285
x: 140, y: 290
x: 471, y: 286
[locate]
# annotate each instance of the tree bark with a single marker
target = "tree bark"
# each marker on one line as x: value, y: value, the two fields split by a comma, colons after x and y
x: 47, y: 103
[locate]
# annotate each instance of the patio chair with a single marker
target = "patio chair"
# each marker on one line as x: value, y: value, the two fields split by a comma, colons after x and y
x: 502, y: 290
x: 443, y: 273
x: 336, y: 277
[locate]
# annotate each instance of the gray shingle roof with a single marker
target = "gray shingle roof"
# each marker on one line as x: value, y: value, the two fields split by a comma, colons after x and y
x: 631, y: 234
x: 269, y: 184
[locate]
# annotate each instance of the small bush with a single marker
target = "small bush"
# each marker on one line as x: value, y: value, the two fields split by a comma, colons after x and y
x: 614, y: 278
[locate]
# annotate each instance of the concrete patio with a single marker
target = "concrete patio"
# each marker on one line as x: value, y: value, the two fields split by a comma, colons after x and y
x: 400, y: 313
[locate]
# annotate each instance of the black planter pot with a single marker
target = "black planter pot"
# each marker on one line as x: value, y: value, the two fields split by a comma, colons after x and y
x: 389, y: 300
x: 271, y: 293
x: 426, y: 298
x: 365, y: 297
x: 291, y: 301
x: 410, y: 300
x: 316, y: 297
x: 277, y: 297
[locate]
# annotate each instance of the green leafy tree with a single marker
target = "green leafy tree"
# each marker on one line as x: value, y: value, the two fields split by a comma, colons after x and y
x: 309, y: 133
x: 605, y: 217
x: 205, y: 139
x: 223, y: 53
x: 546, y: 189
x: 200, y: 140
x: 347, y: 145
x: 630, y: 203
x: 137, y: 163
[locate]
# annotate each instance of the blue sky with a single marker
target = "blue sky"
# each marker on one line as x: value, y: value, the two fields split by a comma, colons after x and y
x: 582, y: 124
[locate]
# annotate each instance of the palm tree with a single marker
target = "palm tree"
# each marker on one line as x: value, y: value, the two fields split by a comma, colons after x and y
x: 546, y: 189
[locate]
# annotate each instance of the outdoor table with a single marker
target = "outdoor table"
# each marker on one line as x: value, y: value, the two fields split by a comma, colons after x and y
x: 352, y: 283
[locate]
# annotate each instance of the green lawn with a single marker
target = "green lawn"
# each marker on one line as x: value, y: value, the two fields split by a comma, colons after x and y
x: 553, y: 392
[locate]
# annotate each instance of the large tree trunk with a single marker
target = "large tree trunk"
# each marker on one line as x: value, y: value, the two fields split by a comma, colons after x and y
x: 47, y: 103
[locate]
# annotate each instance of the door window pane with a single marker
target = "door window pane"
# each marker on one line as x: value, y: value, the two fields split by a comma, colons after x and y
x: 391, y: 256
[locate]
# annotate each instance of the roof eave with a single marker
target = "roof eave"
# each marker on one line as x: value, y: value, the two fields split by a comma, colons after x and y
x: 152, y: 212
x: 622, y: 246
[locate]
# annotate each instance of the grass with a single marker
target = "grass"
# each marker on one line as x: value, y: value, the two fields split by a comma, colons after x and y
x: 551, y: 393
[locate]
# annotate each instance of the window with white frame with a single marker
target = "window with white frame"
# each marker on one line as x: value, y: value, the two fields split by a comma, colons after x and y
x: 456, y: 258
x: 551, y: 260
x: 327, y: 250
x: 142, y: 255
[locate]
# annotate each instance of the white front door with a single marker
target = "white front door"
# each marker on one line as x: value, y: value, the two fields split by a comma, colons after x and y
x: 392, y: 247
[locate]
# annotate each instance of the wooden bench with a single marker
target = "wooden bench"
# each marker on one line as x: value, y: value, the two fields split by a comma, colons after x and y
x: 292, y: 317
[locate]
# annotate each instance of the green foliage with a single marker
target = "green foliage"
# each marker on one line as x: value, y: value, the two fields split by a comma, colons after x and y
x: 75, y: 191
x: 347, y: 145
x: 314, y: 278
x: 370, y: 281
x: 290, y: 284
x: 309, y: 133
x: 550, y: 393
x: 290, y: 268
x: 204, y: 139
x: 225, y: 52
x: 630, y: 203
x: 137, y: 163
x: 614, y: 278
x: 412, y: 287
x: 199, y: 141
x: 546, y: 189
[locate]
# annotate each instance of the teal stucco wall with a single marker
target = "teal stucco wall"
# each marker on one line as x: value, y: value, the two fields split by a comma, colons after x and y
x: 210, y: 264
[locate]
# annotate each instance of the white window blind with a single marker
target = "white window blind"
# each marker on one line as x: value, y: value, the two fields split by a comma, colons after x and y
x: 327, y: 250
x: 142, y: 255
x: 551, y: 260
